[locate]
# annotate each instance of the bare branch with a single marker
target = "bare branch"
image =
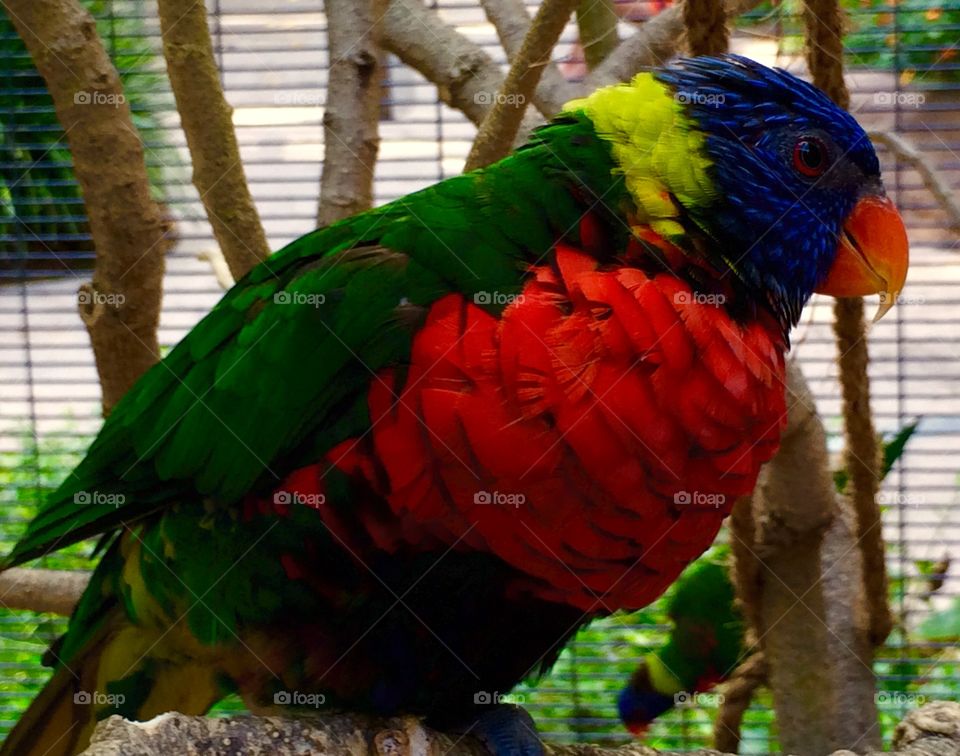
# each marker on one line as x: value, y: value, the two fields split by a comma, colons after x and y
x: 737, y: 694
x: 932, y: 179
x: 652, y: 46
x: 597, y: 21
x: 207, y: 122
x: 47, y: 591
x: 352, y: 112
x: 465, y: 76
x: 221, y: 271
x: 121, y: 308
x: 500, y: 126
x: 512, y: 22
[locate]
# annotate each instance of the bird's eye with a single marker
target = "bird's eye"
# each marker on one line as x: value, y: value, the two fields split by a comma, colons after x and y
x: 810, y: 156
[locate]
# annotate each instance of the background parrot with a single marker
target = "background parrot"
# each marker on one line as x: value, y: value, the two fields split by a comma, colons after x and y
x: 705, y: 645
x: 707, y: 642
x: 403, y: 460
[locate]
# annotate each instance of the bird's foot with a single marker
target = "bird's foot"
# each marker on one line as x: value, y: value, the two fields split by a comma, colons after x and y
x: 506, y: 730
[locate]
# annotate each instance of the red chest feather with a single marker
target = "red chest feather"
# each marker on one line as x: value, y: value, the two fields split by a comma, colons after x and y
x: 594, y: 437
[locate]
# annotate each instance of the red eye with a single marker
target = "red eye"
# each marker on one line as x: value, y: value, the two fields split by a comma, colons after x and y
x: 810, y: 156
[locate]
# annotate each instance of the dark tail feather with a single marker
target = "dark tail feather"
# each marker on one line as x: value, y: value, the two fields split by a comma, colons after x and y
x: 58, y: 722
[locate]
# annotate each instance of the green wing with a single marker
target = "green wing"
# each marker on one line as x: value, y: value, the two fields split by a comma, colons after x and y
x: 278, y: 371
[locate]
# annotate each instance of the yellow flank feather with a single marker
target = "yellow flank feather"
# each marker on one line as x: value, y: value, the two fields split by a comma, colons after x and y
x: 661, y: 678
x: 656, y: 146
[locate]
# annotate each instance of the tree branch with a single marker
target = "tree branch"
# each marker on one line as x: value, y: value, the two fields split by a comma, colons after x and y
x: 121, y: 308
x: 597, y: 21
x: 46, y: 591
x: 934, y: 181
x: 465, y: 76
x: 737, y: 694
x: 652, y: 45
x: 512, y: 22
x: 500, y: 125
x: 352, y: 112
x: 207, y: 123
x: 810, y: 611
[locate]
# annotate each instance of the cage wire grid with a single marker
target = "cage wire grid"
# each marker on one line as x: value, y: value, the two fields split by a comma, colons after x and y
x: 273, y: 62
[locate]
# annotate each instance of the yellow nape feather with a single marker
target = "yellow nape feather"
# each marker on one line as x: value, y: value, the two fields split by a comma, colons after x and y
x: 656, y: 146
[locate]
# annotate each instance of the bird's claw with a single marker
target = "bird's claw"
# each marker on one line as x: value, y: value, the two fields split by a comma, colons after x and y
x: 507, y: 730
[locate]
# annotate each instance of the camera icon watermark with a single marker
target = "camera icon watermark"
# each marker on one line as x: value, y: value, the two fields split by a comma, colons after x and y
x: 89, y: 296
x: 900, y: 99
x: 699, y: 499
x: 298, y: 698
x: 487, y: 698
x: 685, y: 699
x: 694, y: 97
x: 299, y: 97
x: 898, y: 699
x: 699, y: 297
x: 93, y: 97
x: 98, y: 698
x: 98, y: 498
x: 484, y: 97
x: 498, y: 298
x: 299, y: 298
x: 288, y: 498
x: 499, y: 498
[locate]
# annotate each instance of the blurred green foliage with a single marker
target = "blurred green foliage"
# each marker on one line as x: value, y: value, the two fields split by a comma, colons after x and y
x: 915, y: 38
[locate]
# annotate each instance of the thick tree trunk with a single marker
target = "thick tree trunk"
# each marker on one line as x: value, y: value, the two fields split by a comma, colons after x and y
x: 207, y: 120
x: 352, y: 111
x: 808, y: 593
x: 121, y: 308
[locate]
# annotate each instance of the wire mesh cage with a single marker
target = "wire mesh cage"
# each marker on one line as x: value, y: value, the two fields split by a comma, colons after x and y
x: 903, y: 67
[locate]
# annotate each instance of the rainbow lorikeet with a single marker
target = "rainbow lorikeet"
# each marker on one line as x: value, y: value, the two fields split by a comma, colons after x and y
x: 705, y: 644
x: 404, y: 459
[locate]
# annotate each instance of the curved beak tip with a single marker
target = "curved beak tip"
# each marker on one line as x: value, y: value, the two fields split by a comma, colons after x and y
x: 872, y: 255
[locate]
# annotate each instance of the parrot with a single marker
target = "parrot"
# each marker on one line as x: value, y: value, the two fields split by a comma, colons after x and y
x: 705, y: 645
x: 406, y: 457
x: 707, y: 642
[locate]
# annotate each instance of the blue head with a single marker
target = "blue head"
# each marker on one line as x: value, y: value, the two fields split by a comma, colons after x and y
x: 800, y: 204
x: 640, y: 703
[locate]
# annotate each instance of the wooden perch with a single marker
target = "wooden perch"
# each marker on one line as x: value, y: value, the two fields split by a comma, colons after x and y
x: 121, y: 308
x: 933, y: 730
x: 208, y: 125
x: 47, y: 591
x: 352, y: 111
x: 512, y: 22
x: 500, y: 125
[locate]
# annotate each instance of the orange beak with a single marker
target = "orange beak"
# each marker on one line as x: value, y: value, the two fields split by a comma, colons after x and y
x: 872, y: 256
